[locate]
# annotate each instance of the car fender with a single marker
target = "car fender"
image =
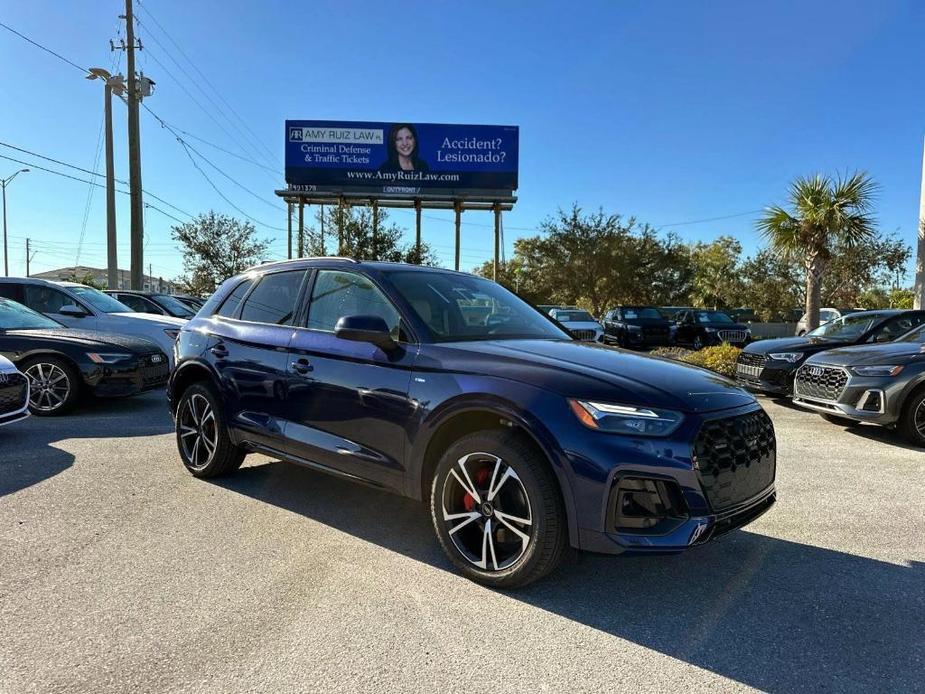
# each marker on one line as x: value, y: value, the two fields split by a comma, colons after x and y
x: 506, y: 410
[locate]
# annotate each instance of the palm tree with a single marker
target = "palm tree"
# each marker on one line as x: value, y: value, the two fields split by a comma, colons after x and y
x: 825, y: 214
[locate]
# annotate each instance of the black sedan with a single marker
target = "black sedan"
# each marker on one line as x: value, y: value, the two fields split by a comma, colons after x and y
x: 769, y: 365
x: 700, y: 328
x: 636, y: 326
x: 880, y: 383
x: 152, y: 302
x: 63, y: 364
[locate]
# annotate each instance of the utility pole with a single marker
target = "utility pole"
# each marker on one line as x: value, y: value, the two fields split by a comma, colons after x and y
x: 134, y: 155
x: 919, y: 299
x: 4, y: 182
x: 27, y: 257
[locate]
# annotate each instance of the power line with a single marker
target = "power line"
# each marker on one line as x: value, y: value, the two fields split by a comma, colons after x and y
x: 207, y: 81
x: 709, y: 219
x: 44, y: 48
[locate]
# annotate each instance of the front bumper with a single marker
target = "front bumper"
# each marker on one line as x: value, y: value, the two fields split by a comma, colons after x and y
x: 129, y: 378
x: 863, y: 399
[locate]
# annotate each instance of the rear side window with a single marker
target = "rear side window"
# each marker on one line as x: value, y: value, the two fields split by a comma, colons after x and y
x: 274, y: 299
x: 230, y: 305
x: 45, y: 299
x: 8, y: 290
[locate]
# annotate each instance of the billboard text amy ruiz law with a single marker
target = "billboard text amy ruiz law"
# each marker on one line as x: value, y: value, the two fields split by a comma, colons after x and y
x: 345, y: 155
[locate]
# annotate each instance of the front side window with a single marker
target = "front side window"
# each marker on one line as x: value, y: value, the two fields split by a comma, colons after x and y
x: 274, y: 299
x: 337, y: 294
x: 897, y: 326
x: 448, y: 304
x: 44, y: 299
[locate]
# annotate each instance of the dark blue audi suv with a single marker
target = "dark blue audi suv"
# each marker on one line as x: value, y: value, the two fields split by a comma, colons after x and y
x: 447, y: 388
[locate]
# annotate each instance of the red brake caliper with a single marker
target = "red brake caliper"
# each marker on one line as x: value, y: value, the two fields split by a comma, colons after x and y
x: 481, y: 480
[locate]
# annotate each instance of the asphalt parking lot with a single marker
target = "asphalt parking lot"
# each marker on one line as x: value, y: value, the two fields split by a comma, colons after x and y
x: 121, y: 572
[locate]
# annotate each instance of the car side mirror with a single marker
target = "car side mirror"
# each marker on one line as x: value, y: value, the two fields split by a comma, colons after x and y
x: 72, y: 310
x: 372, y: 329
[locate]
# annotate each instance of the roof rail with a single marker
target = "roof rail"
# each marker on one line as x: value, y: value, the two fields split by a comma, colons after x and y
x: 310, y: 257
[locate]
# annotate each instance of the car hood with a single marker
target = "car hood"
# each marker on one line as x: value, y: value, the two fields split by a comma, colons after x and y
x: 883, y: 353
x: 807, y: 345
x: 88, y: 339
x: 163, y: 321
x: 586, y: 370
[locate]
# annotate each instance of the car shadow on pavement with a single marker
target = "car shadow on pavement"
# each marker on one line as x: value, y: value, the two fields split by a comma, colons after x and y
x: 27, y: 451
x: 772, y: 614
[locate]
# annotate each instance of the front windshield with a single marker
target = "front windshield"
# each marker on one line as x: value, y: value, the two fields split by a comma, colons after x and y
x: 99, y: 301
x: 845, y: 328
x: 574, y: 317
x: 14, y: 316
x: 712, y: 317
x: 633, y: 313
x: 459, y: 307
x: 175, y: 306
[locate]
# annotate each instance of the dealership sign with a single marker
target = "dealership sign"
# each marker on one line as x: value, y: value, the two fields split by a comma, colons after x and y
x: 401, y: 158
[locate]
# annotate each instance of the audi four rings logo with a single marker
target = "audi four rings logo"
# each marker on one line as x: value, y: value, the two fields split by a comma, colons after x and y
x: 815, y: 371
x: 4, y: 378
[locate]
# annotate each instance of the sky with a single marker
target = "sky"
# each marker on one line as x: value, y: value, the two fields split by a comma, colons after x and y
x: 669, y: 112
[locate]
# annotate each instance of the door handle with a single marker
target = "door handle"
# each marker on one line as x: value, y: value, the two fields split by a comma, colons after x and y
x: 301, y: 366
x: 219, y: 351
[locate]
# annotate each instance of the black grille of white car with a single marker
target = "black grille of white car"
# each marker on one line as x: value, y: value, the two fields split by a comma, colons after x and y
x: 585, y: 335
x: 12, y: 392
x: 822, y: 382
x: 732, y: 335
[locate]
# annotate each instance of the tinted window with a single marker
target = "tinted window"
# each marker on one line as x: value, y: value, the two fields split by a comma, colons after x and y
x: 895, y: 327
x: 274, y: 299
x: 464, y: 307
x: 45, y: 299
x: 230, y: 305
x: 337, y: 294
x: 12, y: 291
x: 138, y: 303
x: 98, y: 300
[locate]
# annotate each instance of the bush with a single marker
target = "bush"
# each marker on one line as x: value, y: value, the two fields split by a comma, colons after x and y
x: 721, y: 359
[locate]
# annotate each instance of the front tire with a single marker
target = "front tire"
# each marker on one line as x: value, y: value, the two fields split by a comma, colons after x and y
x: 202, y: 436
x: 912, y: 421
x: 497, y: 511
x: 54, y: 386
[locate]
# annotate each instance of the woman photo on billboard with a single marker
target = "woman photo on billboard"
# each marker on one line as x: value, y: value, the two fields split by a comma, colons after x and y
x: 403, y: 150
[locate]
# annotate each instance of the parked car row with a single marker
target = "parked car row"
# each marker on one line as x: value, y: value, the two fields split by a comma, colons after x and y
x: 70, y: 342
x: 866, y: 366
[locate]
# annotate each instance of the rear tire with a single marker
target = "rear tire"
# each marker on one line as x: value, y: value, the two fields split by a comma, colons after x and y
x: 512, y: 530
x: 54, y: 386
x: 912, y: 421
x: 202, y: 435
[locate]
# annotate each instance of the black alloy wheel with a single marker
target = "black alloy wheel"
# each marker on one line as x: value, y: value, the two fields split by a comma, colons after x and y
x: 497, y: 511
x: 53, y: 386
x: 202, y: 437
x: 698, y: 342
x: 912, y: 421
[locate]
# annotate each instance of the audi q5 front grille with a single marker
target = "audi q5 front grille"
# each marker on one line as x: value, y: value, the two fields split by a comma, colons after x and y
x: 821, y: 382
x: 12, y: 392
x: 735, y: 458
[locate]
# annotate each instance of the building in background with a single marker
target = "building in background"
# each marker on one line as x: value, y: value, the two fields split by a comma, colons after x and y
x: 98, y: 276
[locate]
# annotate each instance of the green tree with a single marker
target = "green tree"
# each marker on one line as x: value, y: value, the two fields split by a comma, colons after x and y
x: 771, y: 286
x: 716, y: 279
x: 215, y: 247
x: 362, y: 233
x: 824, y: 214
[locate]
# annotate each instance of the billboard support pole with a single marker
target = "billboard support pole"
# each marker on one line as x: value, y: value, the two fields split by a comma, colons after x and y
x: 289, y: 225
x: 458, y: 209
x: 417, y: 229
x: 323, y: 249
x: 497, y: 209
x: 301, y: 229
x: 375, y: 253
x: 340, y: 226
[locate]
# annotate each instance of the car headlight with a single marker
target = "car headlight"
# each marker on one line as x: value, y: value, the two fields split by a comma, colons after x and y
x: 710, y: 330
x: 626, y: 419
x: 172, y: 333
x: 634, y: 328
x: 99, y: 358
x: 792, y: 357
x: 885, y: 370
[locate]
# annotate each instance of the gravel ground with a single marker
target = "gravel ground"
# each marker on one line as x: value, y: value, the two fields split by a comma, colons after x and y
x: 121, y: 572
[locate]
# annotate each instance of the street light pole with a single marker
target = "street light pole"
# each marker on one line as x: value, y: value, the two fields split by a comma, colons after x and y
x: 4, y: 182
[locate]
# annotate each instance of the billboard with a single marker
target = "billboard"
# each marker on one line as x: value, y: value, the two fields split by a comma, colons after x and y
x: 401, y: 158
